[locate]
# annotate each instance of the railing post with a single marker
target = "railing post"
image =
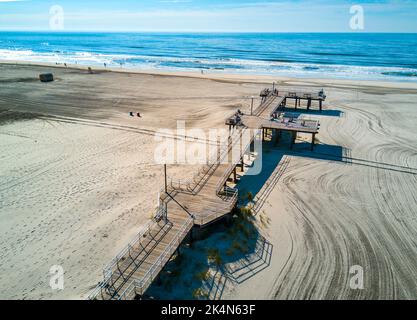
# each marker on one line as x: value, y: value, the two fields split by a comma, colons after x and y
x: 166, y: 181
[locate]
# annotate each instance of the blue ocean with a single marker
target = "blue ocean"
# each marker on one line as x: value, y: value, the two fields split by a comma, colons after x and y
x: 346, y: 56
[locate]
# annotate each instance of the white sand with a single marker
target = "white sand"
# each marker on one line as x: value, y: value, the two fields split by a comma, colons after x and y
x: 74, y: 194
x: 327, y: 216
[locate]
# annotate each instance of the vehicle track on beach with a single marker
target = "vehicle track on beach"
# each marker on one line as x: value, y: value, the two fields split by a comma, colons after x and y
x: 344, y: 214
x: 86, y: 121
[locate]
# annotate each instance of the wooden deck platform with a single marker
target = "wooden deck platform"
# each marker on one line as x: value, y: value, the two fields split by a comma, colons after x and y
x: 284, y: 124
x: 298, y: 95
x: 198, y: 202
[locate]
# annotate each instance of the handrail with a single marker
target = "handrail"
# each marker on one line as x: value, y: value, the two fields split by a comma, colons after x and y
x: 191, y: 184
x: 108, y: 269
x: 94, y: 294
x: 225, y: 195
x: 180, y: 234
x: 220, y: 154
x: 160, y: 262
x: 301, y: 93
x: 258, y: 200
x: 202, y: 220
x: 266, y: 103
x: 229, y: 197
x: 230, y: 169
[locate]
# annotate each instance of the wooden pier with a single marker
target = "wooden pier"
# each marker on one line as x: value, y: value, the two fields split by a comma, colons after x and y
x: 298, y: 96
x: 194, y: 203
x: 284, y: 123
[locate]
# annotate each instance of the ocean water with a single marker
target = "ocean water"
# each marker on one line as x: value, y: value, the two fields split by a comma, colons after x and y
x: 346, y: 56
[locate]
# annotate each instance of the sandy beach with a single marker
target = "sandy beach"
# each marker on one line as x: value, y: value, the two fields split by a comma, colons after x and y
x: 328, y: 216
x: 78, y: 179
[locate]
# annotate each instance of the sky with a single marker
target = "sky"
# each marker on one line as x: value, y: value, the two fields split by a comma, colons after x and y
x: 208, y: 15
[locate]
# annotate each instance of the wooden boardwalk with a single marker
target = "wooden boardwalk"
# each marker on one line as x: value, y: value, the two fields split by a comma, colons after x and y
x: 198, y: 202
x: 300, y: 95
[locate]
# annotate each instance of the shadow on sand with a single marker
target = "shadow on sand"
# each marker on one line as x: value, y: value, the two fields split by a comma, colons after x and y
x: 327, y: 112
x: 254, y: 189
x: 230, y: 253
x: 234, y: 250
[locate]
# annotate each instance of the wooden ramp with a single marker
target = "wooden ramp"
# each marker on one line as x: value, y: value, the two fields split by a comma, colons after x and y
x: 133, y: 270
x: 199, y: 201
x: 297, y: 95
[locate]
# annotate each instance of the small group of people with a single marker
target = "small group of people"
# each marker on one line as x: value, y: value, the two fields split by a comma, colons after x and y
x: 135, y: 114
x: 283, y: 118
x: 238, y: 117
x: 65, y: 65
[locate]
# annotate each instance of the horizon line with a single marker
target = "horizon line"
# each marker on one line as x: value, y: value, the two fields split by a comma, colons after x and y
x: 206, y: 31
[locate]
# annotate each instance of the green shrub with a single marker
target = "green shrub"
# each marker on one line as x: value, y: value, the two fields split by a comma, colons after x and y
x: 202, y: 275
x: 215, y: 257
x: 230, y: 252
x: 249, y: 196
x: 246, y: 213
x: 236, y: 245
x: 241, y: 246
x: 200, y: 294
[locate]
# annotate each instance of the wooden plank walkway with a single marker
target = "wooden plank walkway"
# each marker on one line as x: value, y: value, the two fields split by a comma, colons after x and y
x: 200, y: 201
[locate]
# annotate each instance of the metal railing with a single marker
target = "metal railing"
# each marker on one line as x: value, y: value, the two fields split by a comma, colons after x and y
x: 229, y: 170
x: 301, y: 93
x: 260, y: 197
x: 140, y: 286
x: 191, y: 185
x: 265, y: 104
x: 161, y: 211
x: 181, y: 184
x: 230, y: 196
x: 231, y: 199
x: 95, y: 293
x: 108, y: 270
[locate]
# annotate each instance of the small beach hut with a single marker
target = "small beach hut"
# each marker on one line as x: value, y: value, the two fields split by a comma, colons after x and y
x: 46, y: 77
